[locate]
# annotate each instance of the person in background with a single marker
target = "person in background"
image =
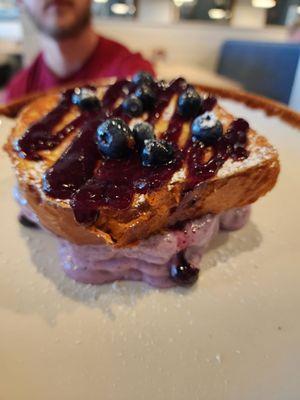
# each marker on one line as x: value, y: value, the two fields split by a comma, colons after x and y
x: 71, y: 50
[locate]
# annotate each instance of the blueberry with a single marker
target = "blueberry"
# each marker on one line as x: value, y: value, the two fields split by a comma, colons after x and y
x: 182, y: 272
x: 189, y: 103
x: 146, y: 95
x: 142, y: 77
x: 207, y: 128
x: 114, y: 138
x: 132, y: 106
x: 141, y: 132
x: 85, y: 98
x: 157, y: 152
x: 27, y: 222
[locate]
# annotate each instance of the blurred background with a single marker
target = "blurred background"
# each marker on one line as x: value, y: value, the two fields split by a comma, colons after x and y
x: 248, y: 44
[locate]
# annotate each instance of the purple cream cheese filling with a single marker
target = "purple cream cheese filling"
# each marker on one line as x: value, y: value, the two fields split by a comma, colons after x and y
x: 148, y: 261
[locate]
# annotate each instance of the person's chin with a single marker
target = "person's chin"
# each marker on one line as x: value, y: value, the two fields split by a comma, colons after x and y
x: 58, y: 25
x: 57, y: 11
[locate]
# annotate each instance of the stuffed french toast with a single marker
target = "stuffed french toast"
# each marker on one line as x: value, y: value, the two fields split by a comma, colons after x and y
x: 135, y: 178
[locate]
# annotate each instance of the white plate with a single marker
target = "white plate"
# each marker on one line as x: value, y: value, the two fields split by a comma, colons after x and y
x: 234, y: 336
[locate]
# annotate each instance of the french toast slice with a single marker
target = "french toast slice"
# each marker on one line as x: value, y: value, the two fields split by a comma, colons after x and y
x: 238, y: 182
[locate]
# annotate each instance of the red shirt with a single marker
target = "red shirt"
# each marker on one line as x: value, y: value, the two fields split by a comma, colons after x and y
x: 108, y: 59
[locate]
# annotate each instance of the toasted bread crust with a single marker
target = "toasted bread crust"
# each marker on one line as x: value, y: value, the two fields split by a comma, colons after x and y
x: 235, y: 185
x: 208, y: 197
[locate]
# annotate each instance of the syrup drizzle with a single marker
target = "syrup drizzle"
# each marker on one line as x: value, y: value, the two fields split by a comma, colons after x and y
x: 90, y: 181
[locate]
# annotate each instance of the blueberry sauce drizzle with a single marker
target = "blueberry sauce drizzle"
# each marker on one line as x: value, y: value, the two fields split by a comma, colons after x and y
x: 110, y: 188
x: 90, y: 181
x: 77, y: 163
x: 116, y: 91
x: 164, y: 94
x: 209, y: 103
x: 231, y: 145
x: 39, y: 136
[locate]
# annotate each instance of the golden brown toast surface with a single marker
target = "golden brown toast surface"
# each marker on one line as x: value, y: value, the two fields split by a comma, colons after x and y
x: 236, y: 184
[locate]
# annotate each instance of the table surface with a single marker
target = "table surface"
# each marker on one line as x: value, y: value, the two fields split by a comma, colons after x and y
x: 195, y: 73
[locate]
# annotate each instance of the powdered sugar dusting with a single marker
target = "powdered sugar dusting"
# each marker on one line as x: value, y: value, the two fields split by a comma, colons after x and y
x: 257, y: 156
x: 179, y: 176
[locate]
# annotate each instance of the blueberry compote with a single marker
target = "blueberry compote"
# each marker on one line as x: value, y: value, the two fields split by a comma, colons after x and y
x: 91, y: 179
x: 182, y: 272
